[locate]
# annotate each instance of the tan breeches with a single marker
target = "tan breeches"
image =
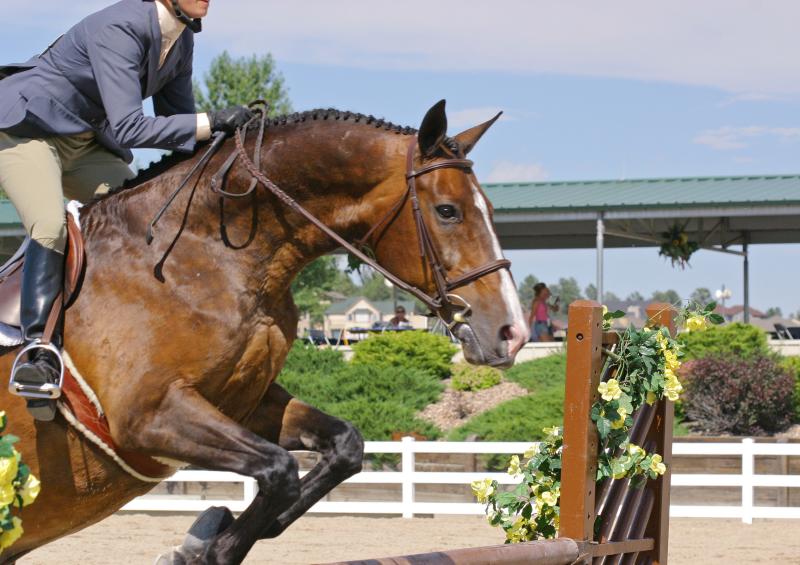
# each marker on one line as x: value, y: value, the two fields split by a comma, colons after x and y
x: 37, y: 174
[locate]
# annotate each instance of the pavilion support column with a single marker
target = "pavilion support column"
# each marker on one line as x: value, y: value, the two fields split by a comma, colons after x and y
x: 746, y: 273
x: 601, y: 230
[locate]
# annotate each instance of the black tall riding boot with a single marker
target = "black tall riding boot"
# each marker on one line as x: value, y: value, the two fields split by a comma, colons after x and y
x: 42, y: 280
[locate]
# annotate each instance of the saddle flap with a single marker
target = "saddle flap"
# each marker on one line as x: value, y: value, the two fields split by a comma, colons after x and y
x: 11, y: 274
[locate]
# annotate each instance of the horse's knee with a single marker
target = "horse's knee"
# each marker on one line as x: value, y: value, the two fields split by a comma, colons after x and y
x: 348, y: 450
x: 279, y: 475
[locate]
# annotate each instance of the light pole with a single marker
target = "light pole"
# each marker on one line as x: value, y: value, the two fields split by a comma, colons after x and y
x: 723, y: 294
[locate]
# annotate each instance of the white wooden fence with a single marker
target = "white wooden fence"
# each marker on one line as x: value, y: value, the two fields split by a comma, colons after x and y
x: 408, y: 477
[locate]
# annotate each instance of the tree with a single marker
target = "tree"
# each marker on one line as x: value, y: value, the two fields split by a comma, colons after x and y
x: 591, y: 293
x: 701, y: 296
x: 669, y: 296
x: 311, y: 286
x: 774, y: 311
x: 232, y: 82
x: 373, y: 286
x: 525, y: 290
x: 635, y: 296
x: 569, y: 291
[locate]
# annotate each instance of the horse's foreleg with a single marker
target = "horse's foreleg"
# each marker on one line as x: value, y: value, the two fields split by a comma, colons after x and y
x: 294, y: 425
x: 186, y: 427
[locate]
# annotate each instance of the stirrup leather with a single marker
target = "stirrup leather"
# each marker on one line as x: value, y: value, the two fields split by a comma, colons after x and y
x: 49, y: 391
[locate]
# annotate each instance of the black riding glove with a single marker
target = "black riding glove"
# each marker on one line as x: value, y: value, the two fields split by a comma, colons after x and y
x: 229, y: 119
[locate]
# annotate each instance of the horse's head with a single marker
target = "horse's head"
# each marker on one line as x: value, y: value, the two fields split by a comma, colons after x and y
x: 482, y: 306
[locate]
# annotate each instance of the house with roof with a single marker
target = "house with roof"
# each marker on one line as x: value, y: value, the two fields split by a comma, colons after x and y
x: 353, y: 317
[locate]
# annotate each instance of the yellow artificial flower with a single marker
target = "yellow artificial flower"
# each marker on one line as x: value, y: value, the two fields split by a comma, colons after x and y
x: 7, y: 494
x: 651, y: 397
x: 513, y: 467
x: 672, y: 387
x: 671, y: 360
x: 553, y: 431
x: 661, y: 340
x: 550, y: 497
x: 518, y: 531
x: 30, y: 490
x: 696, y: 323
x: 609, y: 390
x: 657, y: 466
x: 532, y: 450
x: 482, y: 489
x: 635, y: 450
x: 605, y: 309
x: 8, y: 469
x: 10, y: 536
x: 617, y: 424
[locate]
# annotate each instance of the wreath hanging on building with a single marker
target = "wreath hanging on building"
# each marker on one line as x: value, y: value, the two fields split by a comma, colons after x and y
x: 677, y: 246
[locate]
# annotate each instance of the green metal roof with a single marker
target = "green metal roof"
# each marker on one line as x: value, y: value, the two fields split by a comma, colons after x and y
x: 651, y: 193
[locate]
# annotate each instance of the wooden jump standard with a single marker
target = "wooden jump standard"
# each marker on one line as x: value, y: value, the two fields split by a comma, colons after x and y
x: 632, y: 524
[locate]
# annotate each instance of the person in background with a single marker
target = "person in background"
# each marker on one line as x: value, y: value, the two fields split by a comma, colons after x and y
x: 399, y: 322
x: 539, y: 316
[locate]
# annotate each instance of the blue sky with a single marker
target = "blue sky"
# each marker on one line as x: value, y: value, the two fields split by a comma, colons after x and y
x: 621, y: 89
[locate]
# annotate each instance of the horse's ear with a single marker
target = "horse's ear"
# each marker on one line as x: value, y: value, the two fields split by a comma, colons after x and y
x: 469, y: 138
x: 433, y: 129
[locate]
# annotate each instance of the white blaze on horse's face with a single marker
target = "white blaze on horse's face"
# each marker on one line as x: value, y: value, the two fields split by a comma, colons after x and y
x: 518, y: 329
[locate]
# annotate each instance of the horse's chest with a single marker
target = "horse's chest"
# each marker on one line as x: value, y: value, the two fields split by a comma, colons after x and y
x: 258, y: 366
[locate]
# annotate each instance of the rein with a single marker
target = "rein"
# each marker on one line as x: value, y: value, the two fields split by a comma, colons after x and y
x: 444, y: 285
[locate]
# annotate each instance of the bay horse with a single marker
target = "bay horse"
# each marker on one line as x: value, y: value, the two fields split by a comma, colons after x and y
x: 184, y: 367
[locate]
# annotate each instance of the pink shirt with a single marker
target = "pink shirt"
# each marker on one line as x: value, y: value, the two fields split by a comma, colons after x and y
x: 540, y: 314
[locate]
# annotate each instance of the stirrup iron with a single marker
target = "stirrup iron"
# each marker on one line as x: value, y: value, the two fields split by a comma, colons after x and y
x: 47, y: 391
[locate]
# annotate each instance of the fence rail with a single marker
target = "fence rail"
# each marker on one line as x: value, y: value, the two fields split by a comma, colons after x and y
x: 408, y: 477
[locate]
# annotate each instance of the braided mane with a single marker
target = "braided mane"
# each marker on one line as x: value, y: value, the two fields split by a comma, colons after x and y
x: 319, y: 115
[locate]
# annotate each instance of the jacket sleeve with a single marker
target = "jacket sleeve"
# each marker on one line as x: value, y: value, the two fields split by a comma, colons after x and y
x: 116, y: 54
x: 177, y: 96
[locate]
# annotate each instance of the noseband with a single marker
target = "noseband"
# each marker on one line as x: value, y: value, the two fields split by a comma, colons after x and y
x: 444, y: 297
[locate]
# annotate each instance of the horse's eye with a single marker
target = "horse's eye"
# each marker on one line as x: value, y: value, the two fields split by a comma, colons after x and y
x: 446, y: 211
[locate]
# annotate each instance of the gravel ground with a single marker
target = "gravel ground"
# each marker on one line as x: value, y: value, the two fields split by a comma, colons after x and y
x: 138, y: 538
x: 455, y: 407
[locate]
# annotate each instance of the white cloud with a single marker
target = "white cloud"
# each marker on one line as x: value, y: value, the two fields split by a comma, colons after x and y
x: 741, y: 46
x: 507, y: 171
x: 735, y: 45
x: 736, y: 137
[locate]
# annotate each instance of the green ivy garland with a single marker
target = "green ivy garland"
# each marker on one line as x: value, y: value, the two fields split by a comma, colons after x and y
x: 646, y: 363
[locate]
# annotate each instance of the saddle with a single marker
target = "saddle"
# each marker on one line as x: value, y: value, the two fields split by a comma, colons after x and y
x: 11, y: 275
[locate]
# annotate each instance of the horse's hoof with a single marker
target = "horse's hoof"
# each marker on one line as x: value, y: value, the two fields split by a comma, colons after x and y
x: 208, y: 525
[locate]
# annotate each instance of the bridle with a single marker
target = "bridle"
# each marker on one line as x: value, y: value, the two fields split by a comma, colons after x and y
x: 444, y: 297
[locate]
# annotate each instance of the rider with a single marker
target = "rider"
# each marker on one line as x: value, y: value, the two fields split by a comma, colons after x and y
x: 70, y: 117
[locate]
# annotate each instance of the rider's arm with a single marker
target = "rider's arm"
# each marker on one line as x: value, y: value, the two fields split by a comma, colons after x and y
x: 115, y: 54
x: 177, y: 97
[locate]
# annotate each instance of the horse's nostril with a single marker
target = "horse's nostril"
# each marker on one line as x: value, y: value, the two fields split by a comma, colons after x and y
x: 514, y: 337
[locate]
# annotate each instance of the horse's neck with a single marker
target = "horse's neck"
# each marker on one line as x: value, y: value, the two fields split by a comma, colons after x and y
x: 331, y: 171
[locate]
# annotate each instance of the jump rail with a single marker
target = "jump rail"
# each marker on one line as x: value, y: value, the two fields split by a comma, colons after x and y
x: 632, y: 524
